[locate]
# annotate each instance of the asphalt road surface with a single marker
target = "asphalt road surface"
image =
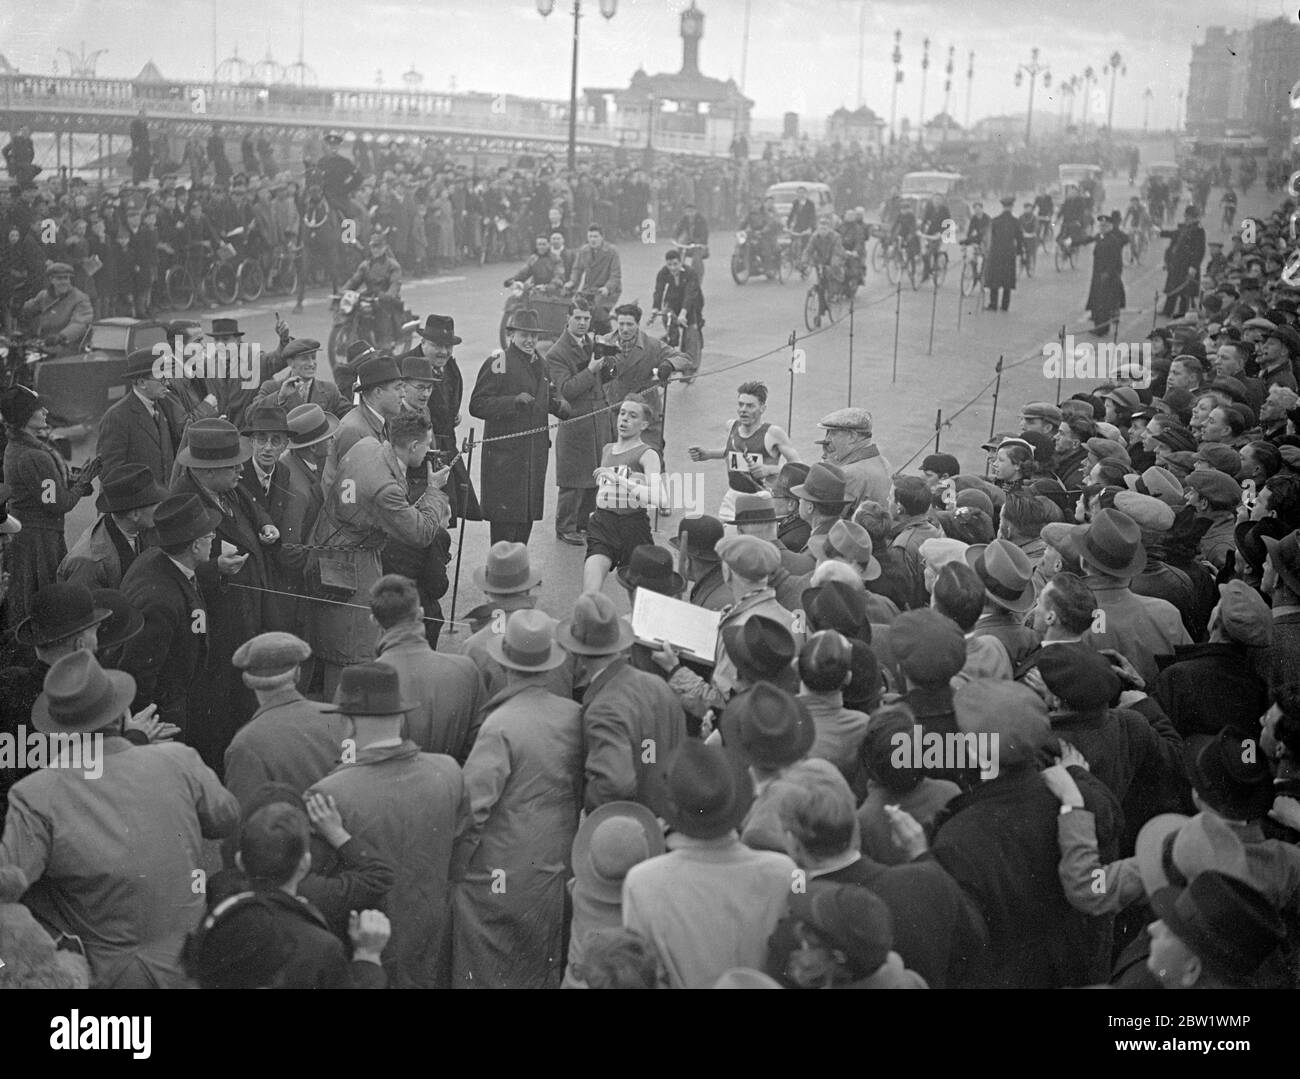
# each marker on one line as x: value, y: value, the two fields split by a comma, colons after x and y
x: 756, y: 321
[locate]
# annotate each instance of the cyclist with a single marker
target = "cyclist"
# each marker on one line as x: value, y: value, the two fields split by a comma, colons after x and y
x: 762, y: 229
x: 854, y: 234
x: 801, y: 220
x: 693, y: 229
x: 936, y: 215
x: 825, y: 252
x: 678, y: 294
x: 1029, y: 224
x: 1073, y: 215
x: 1137, y: 223
x: 1045, y: 208
x: 905, y: 232
x: 381, y: 276
x: 1229, y: 204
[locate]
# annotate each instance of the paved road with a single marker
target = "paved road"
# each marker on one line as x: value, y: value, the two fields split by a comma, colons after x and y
x: 745, y: 322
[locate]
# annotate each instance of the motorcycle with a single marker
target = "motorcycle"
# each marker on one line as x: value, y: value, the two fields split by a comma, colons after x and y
x: 747, y: 259
x: 354, y: 314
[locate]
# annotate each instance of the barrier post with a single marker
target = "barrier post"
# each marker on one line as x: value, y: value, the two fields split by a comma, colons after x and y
x: 852, y: 303
x: 938, y: 428
x: 467, y: 448
x: 997, y: 389
x: 1060, y: 373
x: 898, y: 307
x: 789, y: 419
x: 934, y: 305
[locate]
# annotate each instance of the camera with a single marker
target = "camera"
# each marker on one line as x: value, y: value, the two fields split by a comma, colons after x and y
x: 606, y: 353
x: 440, y: 458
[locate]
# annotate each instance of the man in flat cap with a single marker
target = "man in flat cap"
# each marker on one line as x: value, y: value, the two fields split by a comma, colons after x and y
x: 1040, y: 416
x: 297, y: 384
x: 59, y: 314
x: 849, y: 445
x: 289, y: 739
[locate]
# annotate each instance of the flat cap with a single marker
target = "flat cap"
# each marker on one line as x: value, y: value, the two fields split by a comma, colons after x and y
x: 1150, y: 514
x: 1124, y: 396
x: 930, y: 648
x: 1159, y: 483
x: 1218, y: 487
x: 1107, y: 447
x: 751, y: 557
x: 271, y: 653
x: 1220, y: 457
x: 1245, y: 616
x: 1041, y: 410
x: 847, y: 419
x: 299, y: 347
x: 58, y: 268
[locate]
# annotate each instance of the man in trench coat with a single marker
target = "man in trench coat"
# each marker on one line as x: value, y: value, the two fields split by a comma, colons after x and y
x: 513, y: 395
x: 1106, y: 296
x: 576, y: 375
x: 1006, y: 245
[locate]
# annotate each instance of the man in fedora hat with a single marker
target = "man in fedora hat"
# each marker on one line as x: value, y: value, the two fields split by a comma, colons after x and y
x: 631, y: 720
x: 411, y: 806
x: 311, y: 432
x: 1006, y: 245
x: 111, y: 858
x: 370, y: 507
x: 867, y: 474
x: 59, y: 314
x: 379, y: 382
x: 1007, y: 575
x: 297, y: 384
x: 266, y: 426
x: 169, y: 585
x: 438, y: 340
x: 1140, y: 628
x: 509, y: 584
x: 514, y: 395
x: 577, y: 371
x: 823, y: 498
x: 509, y: 896
x: 231, y: 396
x: 447, y: 690
x: 697, y: 538
x: 289, y: 739
x: 710, y: 904
x: 64, y: 619
x: 212, y: 465
x: 135, y: 429
x: 128, y: 496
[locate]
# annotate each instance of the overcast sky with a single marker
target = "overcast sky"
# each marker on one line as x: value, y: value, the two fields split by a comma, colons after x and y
x: 803, y: 54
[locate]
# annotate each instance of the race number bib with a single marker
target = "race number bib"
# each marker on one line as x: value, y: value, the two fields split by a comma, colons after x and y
x: 610, y: 494
x: 742, y: 462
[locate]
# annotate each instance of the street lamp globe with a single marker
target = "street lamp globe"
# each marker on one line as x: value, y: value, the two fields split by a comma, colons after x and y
x: 609, y: 8
x: 545, y: 7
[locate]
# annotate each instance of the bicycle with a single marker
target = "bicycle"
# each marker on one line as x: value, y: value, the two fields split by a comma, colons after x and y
x: 1139, y: 241
x: 683, y: 334
x: 938, y: 261
x: 250, y: 281
x: 972, y: 271
x: 1029, y: 253
x: 899, y: 261
x: 282, y: 274
x: 1065, y: 252
x: 798, y: 242
x: 1046, y: 232
x: 825, y: 297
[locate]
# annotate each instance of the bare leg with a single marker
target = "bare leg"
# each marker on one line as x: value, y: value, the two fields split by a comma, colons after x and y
x: 594, y: 572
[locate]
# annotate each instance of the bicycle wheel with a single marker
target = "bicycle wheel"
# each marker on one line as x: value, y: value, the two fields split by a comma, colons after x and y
x: 940, y: 268
x: 739, y: 267
x: 1059, y: 258
x: 878, y: 257
x: 337, y: 346
x: 251, y: 280
x: 894, y: 268
x: 837, y: 303
x: 784, y: 269
x: 179, y: 286
x: 225, y: 285
x: 911, y: 272
x: 289, y: 275
x: 1031, y: 260
x: 968, y: 279
x: 812, y: 309
x: 693, y: 345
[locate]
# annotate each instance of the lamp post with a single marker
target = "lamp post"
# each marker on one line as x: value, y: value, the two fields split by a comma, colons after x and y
x: 1033, y: 69
x: 1147, y: 95
x: 1116, y: 67
x: 947, y: 91
x: 898, y: 78
x: 1178, y: 116
x: 925, y: 69
x: 970, y: 80
x: 608, y: 8
x: 1088, y: 75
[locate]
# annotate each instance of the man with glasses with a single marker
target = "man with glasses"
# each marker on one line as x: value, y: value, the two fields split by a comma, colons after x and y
x: 380, y: 383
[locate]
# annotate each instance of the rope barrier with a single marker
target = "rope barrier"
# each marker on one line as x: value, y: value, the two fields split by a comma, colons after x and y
x: 334, y: 602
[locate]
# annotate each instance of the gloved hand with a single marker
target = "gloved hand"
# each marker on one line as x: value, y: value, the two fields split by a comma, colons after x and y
x: 665, y: 371
x: 524, y: 400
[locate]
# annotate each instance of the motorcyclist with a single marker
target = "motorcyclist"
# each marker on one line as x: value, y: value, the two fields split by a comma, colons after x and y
x: 757, y: 226
x: 542, y: 267
x: 59, y: 314
x: 380, y: 275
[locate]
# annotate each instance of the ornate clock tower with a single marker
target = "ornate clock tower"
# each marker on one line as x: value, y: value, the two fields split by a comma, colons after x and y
x: 692, y: 31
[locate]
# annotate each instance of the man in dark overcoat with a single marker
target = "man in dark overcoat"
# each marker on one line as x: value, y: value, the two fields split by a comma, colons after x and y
x: 1183, y: 258
x: 575, y: 372
x: 1006, y: 245
x: 513, y: 395
x: 1106, y: 295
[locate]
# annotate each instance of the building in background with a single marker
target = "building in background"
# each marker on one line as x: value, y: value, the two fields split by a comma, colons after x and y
x: 860, y: 125
x: 1240, y: 80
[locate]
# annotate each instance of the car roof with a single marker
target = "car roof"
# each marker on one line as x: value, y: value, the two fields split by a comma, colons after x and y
x: 794, y: 185
x: 1076, y: 166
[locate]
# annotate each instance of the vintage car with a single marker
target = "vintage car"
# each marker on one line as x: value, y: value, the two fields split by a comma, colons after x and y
x: 1082, y: 177
x: 80, y: 387
x: 783, y: 195
x: 916, y: 188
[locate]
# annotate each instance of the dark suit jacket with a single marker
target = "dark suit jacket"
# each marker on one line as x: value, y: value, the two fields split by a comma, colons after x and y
x: 325, y: 394
x: 129, y: 435
x: 302, y: 505
x: 276, y: 500
x: 166, y: 656
x: 280, y: 611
